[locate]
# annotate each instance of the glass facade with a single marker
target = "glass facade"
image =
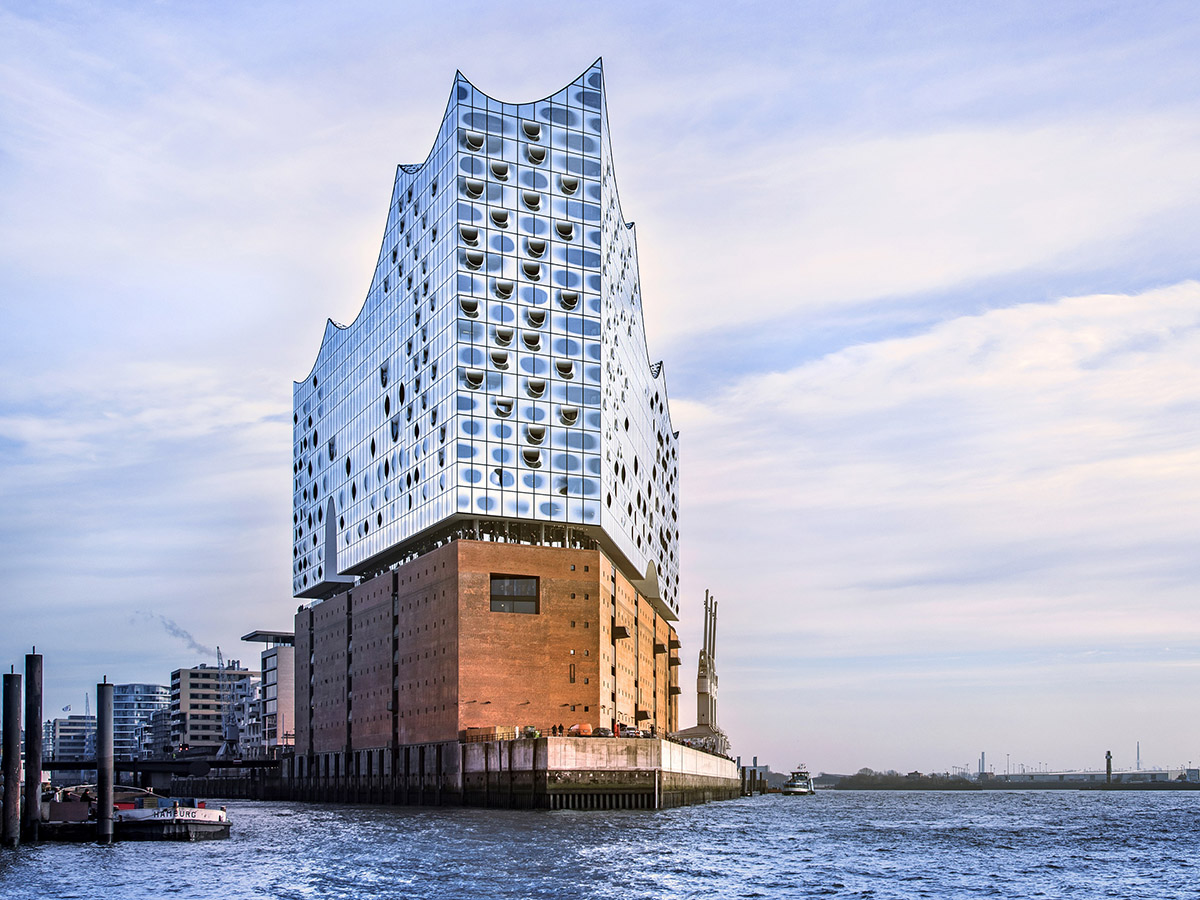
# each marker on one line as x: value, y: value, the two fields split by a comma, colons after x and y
x: 133, y: 704
x: 498, y: 368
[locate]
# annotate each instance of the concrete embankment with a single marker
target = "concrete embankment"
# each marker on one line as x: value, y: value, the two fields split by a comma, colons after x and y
x: 531, y: 773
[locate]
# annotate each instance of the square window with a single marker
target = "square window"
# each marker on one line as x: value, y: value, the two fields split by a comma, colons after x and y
x: 572, y: 567
x: 585, y: 568
x: 514, y: 594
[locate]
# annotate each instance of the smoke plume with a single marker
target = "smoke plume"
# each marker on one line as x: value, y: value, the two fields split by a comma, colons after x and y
x: 176, y: 630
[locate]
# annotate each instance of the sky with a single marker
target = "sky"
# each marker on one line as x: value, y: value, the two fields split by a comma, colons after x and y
x: 924, y: 276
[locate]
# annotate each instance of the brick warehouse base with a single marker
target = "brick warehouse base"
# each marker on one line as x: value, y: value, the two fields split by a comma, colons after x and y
x: 534, y: 773
x: 425, y: 653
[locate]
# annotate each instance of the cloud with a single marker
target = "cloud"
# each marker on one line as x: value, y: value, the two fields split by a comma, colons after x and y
x: 144, y: 490
x: 992, y: 502
x: 811, y: 224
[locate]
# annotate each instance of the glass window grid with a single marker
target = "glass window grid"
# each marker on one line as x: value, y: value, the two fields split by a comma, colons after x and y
x: 587, y: 122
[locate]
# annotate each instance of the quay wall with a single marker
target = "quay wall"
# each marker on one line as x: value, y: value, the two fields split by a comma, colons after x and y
x: 528, y: 773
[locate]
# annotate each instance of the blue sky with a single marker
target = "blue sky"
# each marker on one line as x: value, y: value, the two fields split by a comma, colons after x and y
x: 923, y: 276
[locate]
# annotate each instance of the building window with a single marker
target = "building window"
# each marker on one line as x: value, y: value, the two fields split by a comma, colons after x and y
x: 572, y: 673
x: 514, y: 594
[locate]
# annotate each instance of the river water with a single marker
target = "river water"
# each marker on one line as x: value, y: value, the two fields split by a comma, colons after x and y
x: 1014, y: 844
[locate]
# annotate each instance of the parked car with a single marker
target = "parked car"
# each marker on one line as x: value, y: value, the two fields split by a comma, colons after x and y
x: 603, y: 732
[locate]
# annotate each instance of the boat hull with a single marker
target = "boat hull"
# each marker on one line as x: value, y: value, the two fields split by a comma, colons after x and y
x: 174, y: 823
x: 171, y: 831
x: 85, y: 832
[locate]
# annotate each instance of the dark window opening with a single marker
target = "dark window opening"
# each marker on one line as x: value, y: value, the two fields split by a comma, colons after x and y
x: 515, y: 593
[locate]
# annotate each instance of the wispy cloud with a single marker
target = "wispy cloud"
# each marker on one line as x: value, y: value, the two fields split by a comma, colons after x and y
x: 1018, y: 482
x: 811, y: 225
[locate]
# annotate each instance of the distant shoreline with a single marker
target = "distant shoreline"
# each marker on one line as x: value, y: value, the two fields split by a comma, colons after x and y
x: 939, y: 783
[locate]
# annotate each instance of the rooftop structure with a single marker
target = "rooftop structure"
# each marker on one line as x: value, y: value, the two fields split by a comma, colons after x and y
x: 496, y: 380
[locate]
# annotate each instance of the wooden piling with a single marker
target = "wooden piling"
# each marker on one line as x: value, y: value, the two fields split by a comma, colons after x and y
x: 104, y: 762
x: 10, y: 824
x: 33, y: 745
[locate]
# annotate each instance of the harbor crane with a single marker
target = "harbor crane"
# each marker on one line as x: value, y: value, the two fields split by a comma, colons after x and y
x: 229, y: 725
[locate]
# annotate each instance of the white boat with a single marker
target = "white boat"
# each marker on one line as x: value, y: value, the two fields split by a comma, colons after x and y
x: 138, y: 815
x: 175, y: 822
x: 799, y: 783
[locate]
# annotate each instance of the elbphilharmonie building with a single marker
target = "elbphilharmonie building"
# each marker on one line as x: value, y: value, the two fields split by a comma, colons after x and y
x: 496, y: 391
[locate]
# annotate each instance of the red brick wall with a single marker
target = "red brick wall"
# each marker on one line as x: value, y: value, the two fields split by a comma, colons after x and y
x: 427, y: 649
x: 669, y: 705
x: 371, y: 663
x: 626, y: 651
x: 298, y: 715
x: 515, y: 667
x: 329, y: 675
x: 428, y: 658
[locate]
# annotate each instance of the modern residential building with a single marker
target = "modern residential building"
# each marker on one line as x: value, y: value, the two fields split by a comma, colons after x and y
x: 277, y: 724
x: 133, y: 705
x: 485, y: 473
x: 73, y: 737
x: 249, y: 716
x: 199, y: 699
x: 156, y: 735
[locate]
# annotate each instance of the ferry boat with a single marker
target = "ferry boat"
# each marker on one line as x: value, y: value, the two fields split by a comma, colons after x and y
x: 138, y: 815
x: 799, y: 783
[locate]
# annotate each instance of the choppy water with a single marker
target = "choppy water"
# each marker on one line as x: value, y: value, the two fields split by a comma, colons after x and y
x: 836, y: 844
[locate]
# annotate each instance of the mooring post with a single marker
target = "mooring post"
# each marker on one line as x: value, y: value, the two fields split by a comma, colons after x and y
x: 104, y: 762
x: 10, y: 832
x: 1108, y: 767
x: 33, y: 745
